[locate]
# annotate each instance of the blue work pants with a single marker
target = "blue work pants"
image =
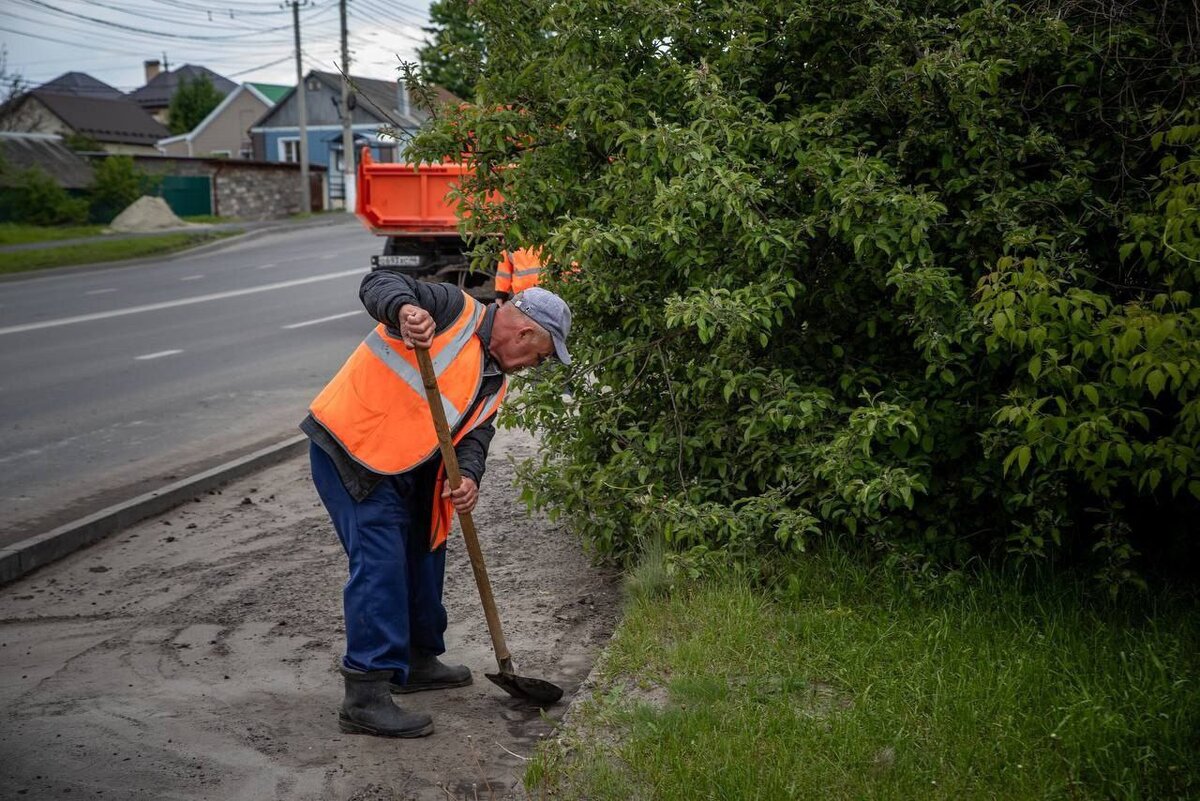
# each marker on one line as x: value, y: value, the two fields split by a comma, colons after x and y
x: 393, y: 598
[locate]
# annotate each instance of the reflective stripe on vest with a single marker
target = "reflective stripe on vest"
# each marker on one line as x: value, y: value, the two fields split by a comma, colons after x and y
x: 376, y: 408
x: 406, y: 372
x: 504, y: 274
x: 526, y: 268
x: 518, y: 270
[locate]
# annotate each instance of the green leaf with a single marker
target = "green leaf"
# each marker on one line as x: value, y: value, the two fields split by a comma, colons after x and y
x: 1024, y: 454
x: 1155, y: 382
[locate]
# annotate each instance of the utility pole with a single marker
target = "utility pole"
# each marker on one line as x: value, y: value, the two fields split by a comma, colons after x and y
x: 349, y: 157
x: 301, y: 91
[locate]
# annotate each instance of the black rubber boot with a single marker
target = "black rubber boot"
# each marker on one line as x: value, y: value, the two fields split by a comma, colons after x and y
x: 426, y: 672
x: 368, y: 708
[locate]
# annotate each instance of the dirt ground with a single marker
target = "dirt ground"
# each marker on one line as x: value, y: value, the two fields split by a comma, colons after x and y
x: 194, y: 656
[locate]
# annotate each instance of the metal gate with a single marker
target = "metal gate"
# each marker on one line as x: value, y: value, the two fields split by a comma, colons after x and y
x: 187, y: 195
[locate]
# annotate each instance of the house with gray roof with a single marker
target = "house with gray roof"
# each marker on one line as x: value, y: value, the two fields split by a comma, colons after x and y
x: 75, y: 104
x: 377, y: 103
x: 80, y: 84
x: 155, y: 97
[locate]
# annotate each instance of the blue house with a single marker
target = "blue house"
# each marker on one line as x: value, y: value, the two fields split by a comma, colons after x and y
x: 374, y: 104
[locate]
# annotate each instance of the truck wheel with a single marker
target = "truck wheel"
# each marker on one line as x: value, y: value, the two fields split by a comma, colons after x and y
x: 480, y: 286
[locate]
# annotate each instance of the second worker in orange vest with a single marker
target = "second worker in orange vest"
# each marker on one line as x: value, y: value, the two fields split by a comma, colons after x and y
x: 518, y: 270
x: 376, y: 466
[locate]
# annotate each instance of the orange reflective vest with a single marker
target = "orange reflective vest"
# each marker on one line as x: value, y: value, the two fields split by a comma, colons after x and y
x: 376, y: 408
x: 518, y: 270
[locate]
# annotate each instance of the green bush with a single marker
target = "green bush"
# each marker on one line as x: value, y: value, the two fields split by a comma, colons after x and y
x: 34, y: 198
x: 921, y: 274
x: 117, y: 183
x: 82, y: 142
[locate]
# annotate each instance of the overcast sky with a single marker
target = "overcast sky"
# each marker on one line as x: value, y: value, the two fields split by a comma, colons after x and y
x: 244, y: 41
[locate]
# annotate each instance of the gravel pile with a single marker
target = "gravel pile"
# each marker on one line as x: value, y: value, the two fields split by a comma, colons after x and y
x: 147, y: 214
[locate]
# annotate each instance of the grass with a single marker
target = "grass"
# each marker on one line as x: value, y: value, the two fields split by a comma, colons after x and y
x: 102, y: 251
x: 842, y: 683
x: 19, y: 234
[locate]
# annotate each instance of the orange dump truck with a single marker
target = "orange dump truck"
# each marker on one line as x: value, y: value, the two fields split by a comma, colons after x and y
x: 411, y: 208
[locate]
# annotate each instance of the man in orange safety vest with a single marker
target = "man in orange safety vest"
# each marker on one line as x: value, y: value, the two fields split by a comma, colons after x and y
x: 517, y: 271
x: 378, y: 471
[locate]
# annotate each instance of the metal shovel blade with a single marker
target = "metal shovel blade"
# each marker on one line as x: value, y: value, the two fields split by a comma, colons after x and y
x: 537, y: 690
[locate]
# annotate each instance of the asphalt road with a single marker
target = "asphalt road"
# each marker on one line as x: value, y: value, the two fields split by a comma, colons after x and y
x: 114, y: 381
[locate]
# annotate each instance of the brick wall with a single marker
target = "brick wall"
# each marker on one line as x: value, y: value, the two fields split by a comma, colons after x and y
x: 247, y: 190
x: 257, y: 192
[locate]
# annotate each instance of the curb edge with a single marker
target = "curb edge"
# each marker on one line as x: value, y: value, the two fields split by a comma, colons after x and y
x: 29, y: 554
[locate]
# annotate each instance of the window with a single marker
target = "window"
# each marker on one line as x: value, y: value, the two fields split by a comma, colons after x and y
x: 289, y: 150
x: 220, y: 154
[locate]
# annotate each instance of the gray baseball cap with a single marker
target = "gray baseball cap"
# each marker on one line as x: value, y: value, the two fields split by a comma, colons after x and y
x: 550, y: 312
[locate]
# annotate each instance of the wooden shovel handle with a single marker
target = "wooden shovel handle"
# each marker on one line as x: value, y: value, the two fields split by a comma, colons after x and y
x: 450, y: 460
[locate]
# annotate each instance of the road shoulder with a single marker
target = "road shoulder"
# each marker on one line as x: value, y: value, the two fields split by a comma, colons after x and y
x: 195, y: 654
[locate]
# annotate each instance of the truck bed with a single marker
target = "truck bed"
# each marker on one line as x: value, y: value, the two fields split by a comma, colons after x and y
x: 401, y: 199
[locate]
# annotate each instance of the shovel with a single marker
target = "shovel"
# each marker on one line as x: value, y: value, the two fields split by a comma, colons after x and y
x: 517, y: 686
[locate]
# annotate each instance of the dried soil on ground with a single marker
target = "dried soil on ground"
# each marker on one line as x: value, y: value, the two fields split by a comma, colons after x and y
x: 195, y: 655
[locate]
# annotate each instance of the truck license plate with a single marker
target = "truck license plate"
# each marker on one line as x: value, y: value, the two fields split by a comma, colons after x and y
x: 398, y: 261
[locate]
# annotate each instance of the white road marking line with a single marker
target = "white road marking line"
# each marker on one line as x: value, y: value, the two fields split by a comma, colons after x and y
x: 99, y: 291
x: 323, y: 319
x: 158, y: 355
x: 192, y: 277
x: 266, y: 266
x: 171, y: 304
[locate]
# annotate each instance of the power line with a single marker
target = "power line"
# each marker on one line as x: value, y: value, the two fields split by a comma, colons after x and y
x: 420, y: 12
x: 203, y: 19
x: 208, y: 9
x: 71, y: 26
x: 391, y: 31
x: 62, y: 41
x: 256, y: 46
x: 141, y: 12
x: 131, y: 41
x: 162, y: 34
x: 96, y: 48
x: 387, y: 15
x: 288, y: 57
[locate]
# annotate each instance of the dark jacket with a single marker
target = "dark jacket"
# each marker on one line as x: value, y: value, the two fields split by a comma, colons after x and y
x: 382, y: 294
